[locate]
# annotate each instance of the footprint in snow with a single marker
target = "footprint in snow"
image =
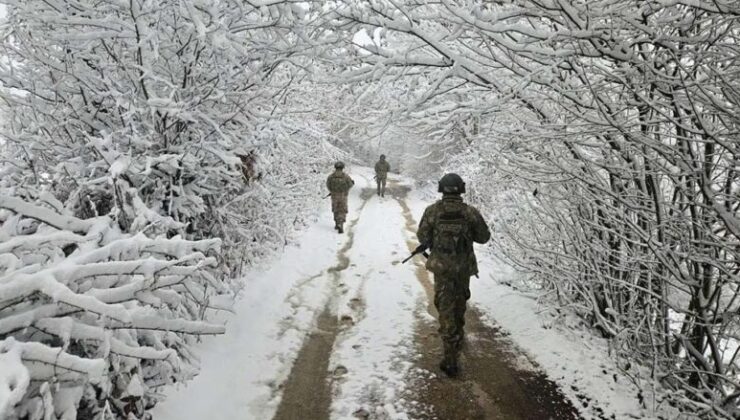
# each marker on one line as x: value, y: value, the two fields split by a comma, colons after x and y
x: 361, y: 414
x: 347, y: 321
x: 339, y: 371
x: 354, y: 303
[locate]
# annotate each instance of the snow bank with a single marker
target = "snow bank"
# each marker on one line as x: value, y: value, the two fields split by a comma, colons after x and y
x: 572, y: 356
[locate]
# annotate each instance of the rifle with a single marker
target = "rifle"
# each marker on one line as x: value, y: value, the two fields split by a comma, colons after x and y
x: 328, y: 195
x: 421, y: 249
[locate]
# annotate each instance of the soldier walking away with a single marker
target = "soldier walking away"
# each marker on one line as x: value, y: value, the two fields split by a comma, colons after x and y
x: 339, y: 184
x: 449, y: 227
x: 381, y: 174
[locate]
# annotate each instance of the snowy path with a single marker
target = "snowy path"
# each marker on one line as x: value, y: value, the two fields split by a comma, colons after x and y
x: 338, y: 328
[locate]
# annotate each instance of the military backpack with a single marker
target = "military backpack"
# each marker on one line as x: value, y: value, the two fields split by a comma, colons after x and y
x: 338, y: 184
x: 452, y: 236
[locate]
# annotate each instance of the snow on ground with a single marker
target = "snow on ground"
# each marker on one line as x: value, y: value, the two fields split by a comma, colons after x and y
x: 577, y: 361
x: 372, y: 358
x: 277, y: 309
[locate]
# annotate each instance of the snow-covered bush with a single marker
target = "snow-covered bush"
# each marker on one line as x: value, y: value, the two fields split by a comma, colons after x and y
x: 148, y: 153
x: 152, y: 108
x: 91, y: 318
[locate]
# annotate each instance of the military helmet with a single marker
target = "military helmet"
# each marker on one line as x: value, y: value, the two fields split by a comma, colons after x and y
x: 339, y: 165
x: 451, y: 184
x: 382, y: 157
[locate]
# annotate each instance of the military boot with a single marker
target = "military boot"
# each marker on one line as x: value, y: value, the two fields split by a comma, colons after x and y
x: 340, y: 229
x: 449, y: 364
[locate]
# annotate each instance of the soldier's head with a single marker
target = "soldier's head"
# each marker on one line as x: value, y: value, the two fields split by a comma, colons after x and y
x: 339, y: 166
x: 451, y: 184
x: 382, y: 157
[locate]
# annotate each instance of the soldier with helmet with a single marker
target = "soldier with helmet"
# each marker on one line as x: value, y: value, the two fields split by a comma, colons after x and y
x: 339, y: 184
x: 382, y: 167
x: 449, y: 228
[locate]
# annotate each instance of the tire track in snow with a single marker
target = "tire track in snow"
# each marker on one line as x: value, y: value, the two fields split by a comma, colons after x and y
x: 497, y: 380
x: 307, y: 391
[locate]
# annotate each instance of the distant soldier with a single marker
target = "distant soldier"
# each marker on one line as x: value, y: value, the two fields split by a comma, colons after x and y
x: 449, y: 227
x: 339, y: 184
x: 381, y: 174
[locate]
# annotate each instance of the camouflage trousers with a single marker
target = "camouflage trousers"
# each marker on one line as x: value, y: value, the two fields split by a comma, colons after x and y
x: 381, y: 185
x: 339, y: 207
x: 451, y: 293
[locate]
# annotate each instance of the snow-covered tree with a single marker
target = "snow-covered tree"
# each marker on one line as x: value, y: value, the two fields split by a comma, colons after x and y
x: 606, y: 132
x: 151, y: 108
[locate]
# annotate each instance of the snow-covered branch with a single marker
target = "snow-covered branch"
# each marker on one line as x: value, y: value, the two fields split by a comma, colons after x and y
x: 90, y: 315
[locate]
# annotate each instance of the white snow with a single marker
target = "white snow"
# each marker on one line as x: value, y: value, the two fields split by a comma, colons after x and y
x: 377, y: 349
x: 119, y: 166
x: 14, y: 377
x: 577, y: 361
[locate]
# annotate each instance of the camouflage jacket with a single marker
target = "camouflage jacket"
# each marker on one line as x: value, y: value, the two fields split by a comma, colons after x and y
x: 382, y: 167
x: 339, y: 182
x: 466, y: 263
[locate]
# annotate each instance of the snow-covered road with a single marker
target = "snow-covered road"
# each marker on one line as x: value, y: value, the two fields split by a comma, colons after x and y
x: 337, y: 328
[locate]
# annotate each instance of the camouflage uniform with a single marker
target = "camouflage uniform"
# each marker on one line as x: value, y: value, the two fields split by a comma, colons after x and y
x: 339, y: 184
x: 452, y: 272
x: 382, y: 167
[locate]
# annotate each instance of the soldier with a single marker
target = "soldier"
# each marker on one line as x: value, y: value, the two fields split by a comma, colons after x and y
x: 449, y: 227
x: 339, y: 184
x: 381, y: 173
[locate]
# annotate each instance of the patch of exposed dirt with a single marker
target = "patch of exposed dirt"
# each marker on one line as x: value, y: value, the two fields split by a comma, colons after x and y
x: 306, y: 392
x: 494, y: 383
